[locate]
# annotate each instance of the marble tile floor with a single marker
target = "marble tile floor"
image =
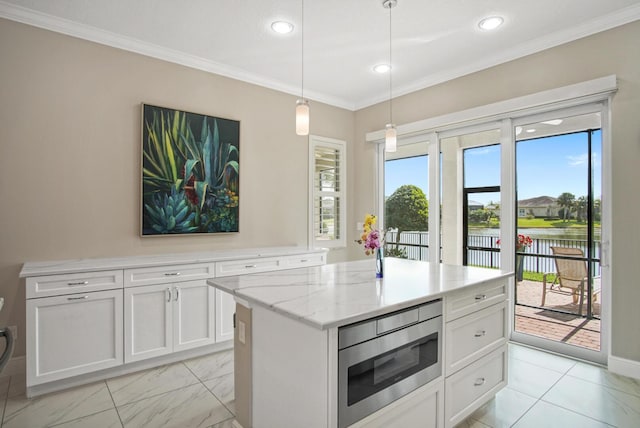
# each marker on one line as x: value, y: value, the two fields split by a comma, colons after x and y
x: 191, y: 393
x: 547, y: 391
x: 544, y: 390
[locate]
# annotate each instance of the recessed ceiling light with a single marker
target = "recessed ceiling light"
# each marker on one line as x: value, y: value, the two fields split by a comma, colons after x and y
x: 530, y: 130
x: 282, y: 27
x: 553, y: 122
x: 491, y: 23
x: 382, y: 68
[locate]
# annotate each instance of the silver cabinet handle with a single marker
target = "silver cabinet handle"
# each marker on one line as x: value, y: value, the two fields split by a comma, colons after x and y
x: 168, y: 293
x: 480, y: 333
x: 78, y: 298
x: 304, y: 261
x: 249, y: 266
x: 481, y: 297
x: 177, y: 293
x: 480, y: 381
x: 77, y: 283
x: 172, y: 274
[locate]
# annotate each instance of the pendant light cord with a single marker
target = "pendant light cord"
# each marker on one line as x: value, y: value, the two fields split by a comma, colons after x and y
x: 390, y: 69
x: 302, y: 48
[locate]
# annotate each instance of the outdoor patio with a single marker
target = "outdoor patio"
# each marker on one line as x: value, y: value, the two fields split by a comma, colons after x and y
x: 568, y: 328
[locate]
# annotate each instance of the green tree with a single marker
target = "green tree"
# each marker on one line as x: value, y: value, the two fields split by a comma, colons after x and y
x: 597, y: 210
x: 581, y: 208
x: 480, y: 216
x: 407, y: 209
x: 566, y: 201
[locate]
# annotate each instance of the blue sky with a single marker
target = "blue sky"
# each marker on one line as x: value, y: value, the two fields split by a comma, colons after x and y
x: 545, y: 167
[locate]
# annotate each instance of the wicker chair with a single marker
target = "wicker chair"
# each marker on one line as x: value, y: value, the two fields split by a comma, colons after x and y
x: 571, y: 276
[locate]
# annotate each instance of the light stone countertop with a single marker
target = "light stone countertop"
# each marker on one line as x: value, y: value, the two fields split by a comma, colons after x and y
x: 30, y: 269
x: 339, y: 294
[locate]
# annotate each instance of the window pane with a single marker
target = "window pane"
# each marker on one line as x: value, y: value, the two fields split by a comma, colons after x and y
x: 406, y: 203
x: 482, y: 166
x: 327, y: 218
x: 327, y: 167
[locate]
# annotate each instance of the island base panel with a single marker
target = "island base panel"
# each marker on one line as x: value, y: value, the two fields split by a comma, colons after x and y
x: 242, y: 340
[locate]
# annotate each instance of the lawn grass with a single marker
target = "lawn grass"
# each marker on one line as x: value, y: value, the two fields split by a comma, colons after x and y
x: 541, y: 223
x: 536, y: 276
x: 552, y: 222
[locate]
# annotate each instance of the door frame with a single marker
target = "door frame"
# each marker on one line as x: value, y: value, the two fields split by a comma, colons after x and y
x: 507, y: 112
x: 601, y: 357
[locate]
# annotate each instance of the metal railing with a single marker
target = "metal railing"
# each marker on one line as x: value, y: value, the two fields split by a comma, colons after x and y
x: 484, y: 251
x: 415, y: 245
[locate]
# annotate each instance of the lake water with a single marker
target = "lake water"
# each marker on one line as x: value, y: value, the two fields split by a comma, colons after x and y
x: 541, y: 233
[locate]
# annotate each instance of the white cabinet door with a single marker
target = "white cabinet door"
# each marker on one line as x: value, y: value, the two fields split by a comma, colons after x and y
x: 148, y: 322
x: 225, y: 308
x: 193, y: 313
x: 73, y: 334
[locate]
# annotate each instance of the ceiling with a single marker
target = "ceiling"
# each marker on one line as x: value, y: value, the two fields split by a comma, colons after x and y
x: 433, y: 41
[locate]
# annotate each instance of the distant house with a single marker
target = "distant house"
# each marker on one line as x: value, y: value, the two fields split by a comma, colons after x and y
x: 475, y: 205
x: 541, y: 206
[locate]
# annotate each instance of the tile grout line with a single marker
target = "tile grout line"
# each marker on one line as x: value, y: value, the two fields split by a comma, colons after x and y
x: 603, y: 386
x: 578, y: 413
x: 114, y: 403
x: 154, y: 395
x: 210, y: 391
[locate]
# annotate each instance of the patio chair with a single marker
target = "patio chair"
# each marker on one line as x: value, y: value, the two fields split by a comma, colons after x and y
x: 571, y: 276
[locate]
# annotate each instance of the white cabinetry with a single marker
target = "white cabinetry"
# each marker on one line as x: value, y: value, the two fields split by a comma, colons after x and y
x: 475, y: 348
x: 73, y: 334
x: 225, y: 308
x: 421, y: 408
x: 167, y: 316
x: 89, y: 319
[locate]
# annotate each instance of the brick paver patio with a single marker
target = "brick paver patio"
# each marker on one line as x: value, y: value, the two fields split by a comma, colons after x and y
x: 568, y: 328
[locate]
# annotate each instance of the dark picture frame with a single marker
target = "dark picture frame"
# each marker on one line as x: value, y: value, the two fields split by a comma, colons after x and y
x: 190, y: 173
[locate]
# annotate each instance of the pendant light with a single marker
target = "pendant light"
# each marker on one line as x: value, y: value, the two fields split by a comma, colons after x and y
x: 302, y: 105
x: 390, y: 133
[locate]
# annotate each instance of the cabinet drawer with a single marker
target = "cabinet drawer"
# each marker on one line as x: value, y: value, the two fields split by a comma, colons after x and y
x: 56, y: 285
x: 241, y: 267
x: 168, y: 274
x: 465, y: 302
x: 470, y: 337
x: 303, y: 260
x: 474, y: 385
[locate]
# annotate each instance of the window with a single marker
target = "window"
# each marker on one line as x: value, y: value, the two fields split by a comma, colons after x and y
x: 327, y: 184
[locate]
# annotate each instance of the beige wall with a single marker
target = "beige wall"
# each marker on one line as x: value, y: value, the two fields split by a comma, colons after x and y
x: 70, y: 121
x: 611, y: 52
x: 70, y: 151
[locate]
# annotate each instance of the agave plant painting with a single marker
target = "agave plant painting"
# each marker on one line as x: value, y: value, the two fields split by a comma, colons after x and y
x: 190, y: 172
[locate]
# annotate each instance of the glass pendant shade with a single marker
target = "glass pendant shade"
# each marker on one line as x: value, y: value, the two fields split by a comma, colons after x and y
x: 302, y: 117
x: 390, y: 138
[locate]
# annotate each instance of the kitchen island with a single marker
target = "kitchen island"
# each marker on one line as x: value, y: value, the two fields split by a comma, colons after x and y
x: 287, y: 334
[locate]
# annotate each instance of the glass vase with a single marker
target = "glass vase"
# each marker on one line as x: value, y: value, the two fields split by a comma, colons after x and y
x: 379, y: 263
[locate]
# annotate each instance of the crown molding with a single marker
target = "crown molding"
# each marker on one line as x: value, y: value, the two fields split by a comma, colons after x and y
x: 107, y: 38
x: 96, y: 35
x: 602, y: 23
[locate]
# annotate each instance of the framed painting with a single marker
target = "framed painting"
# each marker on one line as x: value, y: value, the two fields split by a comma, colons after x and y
x: 190, y: 173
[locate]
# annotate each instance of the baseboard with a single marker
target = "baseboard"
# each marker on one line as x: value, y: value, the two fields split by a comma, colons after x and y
x: 15, y: 366
x: 624, y: 367
x: 83, y: 379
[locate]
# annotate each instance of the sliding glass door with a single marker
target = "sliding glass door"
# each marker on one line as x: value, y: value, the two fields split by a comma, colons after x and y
x: 523, y: 193
x: 559, y: 287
